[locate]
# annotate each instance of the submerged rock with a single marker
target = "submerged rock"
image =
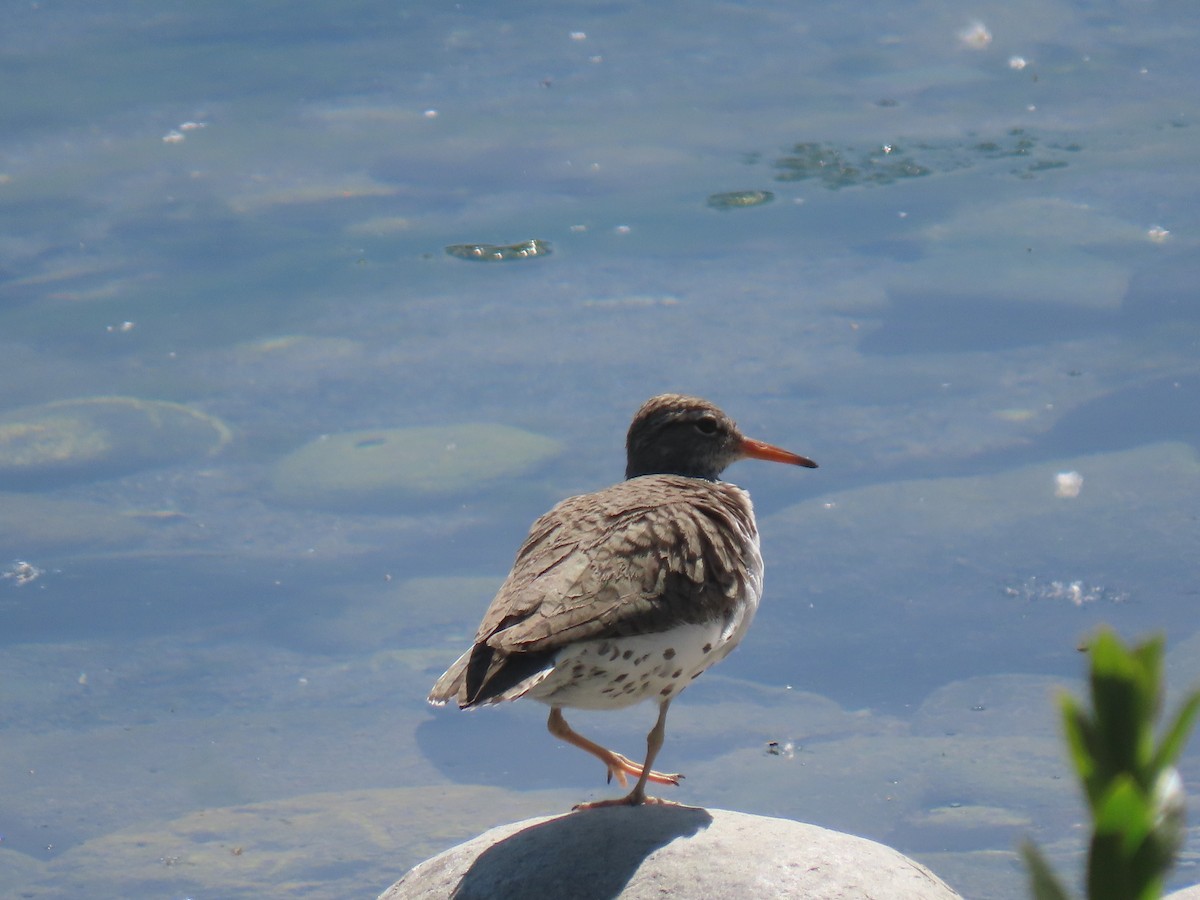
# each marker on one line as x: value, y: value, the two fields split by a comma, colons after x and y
x: 1043, y: 251
x: 500, y: 252
x: 834, y: 166
x: 667, y: 851
x: 329, y: 844
x: 837, y: 167
x: 369, y: 467
x: 739, y: 199
x: 98, y: 437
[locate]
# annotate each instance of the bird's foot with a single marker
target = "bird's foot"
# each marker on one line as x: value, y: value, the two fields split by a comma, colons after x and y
x: 621, y: 766
x: 627, y: 800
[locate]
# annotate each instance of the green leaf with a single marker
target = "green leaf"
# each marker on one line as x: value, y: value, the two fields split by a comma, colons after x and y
x: 1176, y: 736
x: 1126, y: 811
x: 1149, y: 656
x: 1123, y: 722
x: 1081, y: 737
x: 1108, y: 876
x: 1135, y: 794
x: 1043, y: 883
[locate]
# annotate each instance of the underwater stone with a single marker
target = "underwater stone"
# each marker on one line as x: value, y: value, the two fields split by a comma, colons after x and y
x: 357, y: 467
x: 98, y: 437
x: 739, y: 199
x: 500, y: 252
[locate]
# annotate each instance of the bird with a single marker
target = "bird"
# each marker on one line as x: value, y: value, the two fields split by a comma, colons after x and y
x: 628, y: 593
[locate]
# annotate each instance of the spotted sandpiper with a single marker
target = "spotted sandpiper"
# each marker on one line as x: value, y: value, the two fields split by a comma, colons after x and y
x: 629, y: 593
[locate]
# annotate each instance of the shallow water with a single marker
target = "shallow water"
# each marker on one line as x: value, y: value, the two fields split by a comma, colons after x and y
x: 978, y: 272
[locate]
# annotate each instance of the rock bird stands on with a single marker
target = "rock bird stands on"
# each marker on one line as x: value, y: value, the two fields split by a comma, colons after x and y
x: 629, y: 593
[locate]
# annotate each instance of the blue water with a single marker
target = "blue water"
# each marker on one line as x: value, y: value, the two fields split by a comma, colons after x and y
x: 978, y: 271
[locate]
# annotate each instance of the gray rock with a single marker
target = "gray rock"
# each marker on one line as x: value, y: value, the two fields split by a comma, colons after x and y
x: 667, y: 851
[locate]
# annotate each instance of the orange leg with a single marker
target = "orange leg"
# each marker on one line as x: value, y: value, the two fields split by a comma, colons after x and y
x: 619, y: 766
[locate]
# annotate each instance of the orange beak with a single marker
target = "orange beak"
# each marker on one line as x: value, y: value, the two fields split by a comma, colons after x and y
x: 752, y: 449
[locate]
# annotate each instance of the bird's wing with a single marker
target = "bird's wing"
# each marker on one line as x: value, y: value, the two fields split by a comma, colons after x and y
x: 623, y: 561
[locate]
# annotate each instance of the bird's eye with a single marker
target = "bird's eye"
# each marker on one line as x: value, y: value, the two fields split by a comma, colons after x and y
x: 706, y: 425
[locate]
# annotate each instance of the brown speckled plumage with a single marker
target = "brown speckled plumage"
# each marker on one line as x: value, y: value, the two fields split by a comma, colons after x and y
x: 629, y: 592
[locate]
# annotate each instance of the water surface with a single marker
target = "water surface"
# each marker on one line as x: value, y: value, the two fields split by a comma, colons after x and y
x: 978, y: 272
